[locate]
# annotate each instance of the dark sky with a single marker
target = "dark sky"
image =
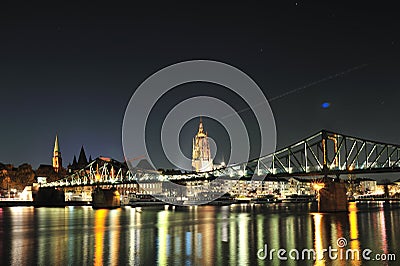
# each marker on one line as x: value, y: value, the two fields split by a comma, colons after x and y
x: 71, y: 69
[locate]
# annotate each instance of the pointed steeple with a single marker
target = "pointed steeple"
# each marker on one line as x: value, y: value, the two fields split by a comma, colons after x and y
x: 56, y: 147
x: 82, y: 159
x: 201, y: 125
x: 90, y: 158
x: 57, y: 161
x: 74, y: 162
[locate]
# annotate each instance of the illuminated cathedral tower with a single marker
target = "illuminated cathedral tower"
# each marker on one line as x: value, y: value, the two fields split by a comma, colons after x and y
x: 57, y: 161
x: 201, y: 155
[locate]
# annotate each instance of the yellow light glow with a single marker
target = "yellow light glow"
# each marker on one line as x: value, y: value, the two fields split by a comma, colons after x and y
x: 354, y: 242
x: 318, y: 244
x: 318, y: 186
x: 162, y: 222
x: 99, y: 224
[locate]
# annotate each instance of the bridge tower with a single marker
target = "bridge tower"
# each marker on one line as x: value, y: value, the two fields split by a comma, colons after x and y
x: 201, y: 154
x: 57, y: 160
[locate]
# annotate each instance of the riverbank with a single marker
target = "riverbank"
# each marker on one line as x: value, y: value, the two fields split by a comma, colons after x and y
x: 15, y: 203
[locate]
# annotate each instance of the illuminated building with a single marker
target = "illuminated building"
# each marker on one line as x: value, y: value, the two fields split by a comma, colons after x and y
x: 300, y: 186
x: 57, y: 160
x: 201, y: 155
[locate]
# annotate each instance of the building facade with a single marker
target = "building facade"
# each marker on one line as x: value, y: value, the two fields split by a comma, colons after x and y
x: 300, y: 186
x: 201, y: 154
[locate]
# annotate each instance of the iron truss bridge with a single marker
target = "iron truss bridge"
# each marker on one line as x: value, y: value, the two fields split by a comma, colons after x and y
x: 323, y: 154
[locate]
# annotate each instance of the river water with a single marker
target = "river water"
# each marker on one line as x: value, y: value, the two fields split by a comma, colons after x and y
x: 203, y: 235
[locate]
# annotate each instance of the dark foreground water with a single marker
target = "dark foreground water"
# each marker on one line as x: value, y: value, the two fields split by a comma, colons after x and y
x: 203, y: 235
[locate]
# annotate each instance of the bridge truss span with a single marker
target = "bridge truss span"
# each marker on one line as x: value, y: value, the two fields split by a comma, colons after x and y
x: 329, y: 153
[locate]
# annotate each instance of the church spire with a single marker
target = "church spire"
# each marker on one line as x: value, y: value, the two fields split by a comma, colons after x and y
x: 201, y: 125
x: 56, y: 147
x: 57, y: 161
x: 82, y: 159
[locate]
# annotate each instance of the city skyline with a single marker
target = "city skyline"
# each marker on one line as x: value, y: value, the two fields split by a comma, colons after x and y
x: 199, y: 133
x: 73, y: 76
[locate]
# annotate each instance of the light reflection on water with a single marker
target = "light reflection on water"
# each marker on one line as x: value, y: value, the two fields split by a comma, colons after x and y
x: 319, y: 246
x: 353, y: 224
x: 203, y: 235
x: 99, y: 228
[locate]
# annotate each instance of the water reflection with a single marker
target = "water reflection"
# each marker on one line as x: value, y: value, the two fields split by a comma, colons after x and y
x: 21, y: 245
x: 273, y: 239
x: 134, y: 237
x: 114, y: 236
x: 199, y: 235
x: 319, y: 247
x: 260, y: 233
x: 243, y: 225
x: 354, y: 235
x: 382, y: 226
x: 99, y: 228
x: 162, y: 222
x: 232, y: 242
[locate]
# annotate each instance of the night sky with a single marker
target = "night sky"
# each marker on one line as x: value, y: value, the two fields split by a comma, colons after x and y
x: 71, y: 69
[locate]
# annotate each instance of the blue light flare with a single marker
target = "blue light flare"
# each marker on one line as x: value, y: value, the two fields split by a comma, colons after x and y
x: 326, y: 105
